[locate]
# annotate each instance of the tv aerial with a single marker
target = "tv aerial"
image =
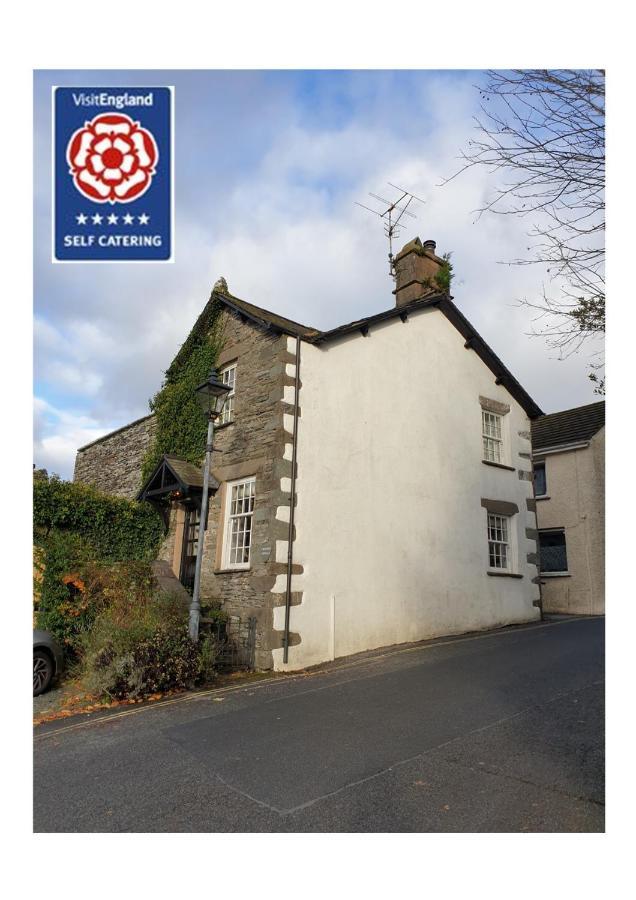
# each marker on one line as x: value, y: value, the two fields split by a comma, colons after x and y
x: 391, y: 212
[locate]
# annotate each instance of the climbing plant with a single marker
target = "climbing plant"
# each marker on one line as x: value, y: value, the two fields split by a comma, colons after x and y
x: 181, y: 426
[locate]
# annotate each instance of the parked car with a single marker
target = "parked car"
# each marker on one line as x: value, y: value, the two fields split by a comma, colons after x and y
x: 48, y: 661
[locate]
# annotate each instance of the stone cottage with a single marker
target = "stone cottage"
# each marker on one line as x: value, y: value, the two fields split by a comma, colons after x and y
x: 372, y: 483
x: 568, y: 452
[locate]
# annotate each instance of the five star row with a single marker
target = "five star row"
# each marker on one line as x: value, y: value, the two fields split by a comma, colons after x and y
x: 112, y: 219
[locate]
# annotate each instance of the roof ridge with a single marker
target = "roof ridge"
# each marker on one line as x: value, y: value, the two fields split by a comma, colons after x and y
x: 268, y: 313
x: 573, y: 409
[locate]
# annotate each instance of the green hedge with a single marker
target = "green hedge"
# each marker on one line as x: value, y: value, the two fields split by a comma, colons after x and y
x: 115, y: 528
x: 76, y: 526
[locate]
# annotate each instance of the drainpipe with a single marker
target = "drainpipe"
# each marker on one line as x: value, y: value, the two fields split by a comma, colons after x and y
x: 292, y: 506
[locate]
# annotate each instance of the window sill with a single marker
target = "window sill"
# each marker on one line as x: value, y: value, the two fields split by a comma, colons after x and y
x: 555, y: 574
x: 542, y: 497
x: 232, y: 571
x: 504, y: 574
x: 224, y: 425
x: 497, y: 465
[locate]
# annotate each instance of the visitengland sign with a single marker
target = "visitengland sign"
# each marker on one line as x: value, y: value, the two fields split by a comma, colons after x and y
x: 113, y: 174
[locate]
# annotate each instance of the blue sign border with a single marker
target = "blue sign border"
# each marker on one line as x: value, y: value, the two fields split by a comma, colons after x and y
x: 107, y: 208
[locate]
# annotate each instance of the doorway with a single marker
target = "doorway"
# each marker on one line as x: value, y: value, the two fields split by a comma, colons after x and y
x: 189, y: 547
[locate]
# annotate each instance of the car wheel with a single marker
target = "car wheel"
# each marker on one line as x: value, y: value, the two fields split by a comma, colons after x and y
x: 42, y: 671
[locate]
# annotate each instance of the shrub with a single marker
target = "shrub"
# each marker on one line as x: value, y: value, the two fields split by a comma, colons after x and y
x: 74, y: 524
x: 94, y: 590
x: 138, y: 643
x: 141, y: 660
x: 62, y: 607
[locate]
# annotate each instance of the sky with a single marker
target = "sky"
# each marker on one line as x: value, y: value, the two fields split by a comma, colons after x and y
x: 268, y: 166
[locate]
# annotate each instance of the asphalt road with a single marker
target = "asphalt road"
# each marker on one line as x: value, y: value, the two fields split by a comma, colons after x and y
x: 500, y: 732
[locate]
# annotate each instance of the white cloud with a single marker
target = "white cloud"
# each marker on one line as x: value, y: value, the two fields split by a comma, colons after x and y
x: 57, y: 435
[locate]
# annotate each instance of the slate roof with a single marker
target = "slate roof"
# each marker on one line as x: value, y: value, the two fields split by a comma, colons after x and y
x: 570, y: 426
x: 189, y: 475
x: 288, y: 326
x: 172, y: 472
x: 474, y: 341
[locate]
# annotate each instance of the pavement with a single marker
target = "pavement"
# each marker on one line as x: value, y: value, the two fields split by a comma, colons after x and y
x: 494, y: 732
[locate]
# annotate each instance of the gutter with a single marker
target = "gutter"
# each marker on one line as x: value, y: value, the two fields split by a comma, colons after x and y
x: 558, y: 448
x: 292, y: 508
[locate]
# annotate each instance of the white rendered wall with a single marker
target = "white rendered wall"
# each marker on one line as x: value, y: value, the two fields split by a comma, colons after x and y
x: 390, y: 530
x: 576, y: 502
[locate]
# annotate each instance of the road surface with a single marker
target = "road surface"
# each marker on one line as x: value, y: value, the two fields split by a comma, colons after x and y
x: 498, y: 732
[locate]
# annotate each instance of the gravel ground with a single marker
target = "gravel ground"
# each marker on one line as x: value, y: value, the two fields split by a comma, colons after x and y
x: 57, y: 697
x: 51, y: 700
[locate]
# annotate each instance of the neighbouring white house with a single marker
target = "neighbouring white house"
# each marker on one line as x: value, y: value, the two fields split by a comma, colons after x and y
x: 568, y: 451
x: 372, y: 485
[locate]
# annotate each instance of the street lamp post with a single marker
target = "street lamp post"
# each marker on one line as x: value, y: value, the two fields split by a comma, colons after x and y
x: 211, y: 395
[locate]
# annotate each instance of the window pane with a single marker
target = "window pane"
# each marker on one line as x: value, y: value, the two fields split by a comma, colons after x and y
x: 228, y: 376
x: 491, y: 429
x: 492, y: 450
x: 491, y: 424
x: 539, y: 479
x: 498, y: 548
x: 552, y: 552
x: 239, y: 523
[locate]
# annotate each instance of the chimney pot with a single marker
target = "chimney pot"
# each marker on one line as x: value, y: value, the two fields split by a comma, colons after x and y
x: 429, y: 245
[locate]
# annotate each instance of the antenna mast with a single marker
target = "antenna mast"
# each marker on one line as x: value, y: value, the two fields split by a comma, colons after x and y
x: 391, y: 216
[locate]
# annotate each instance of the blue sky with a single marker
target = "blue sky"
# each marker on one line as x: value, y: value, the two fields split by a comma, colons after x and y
x: 268, y: 166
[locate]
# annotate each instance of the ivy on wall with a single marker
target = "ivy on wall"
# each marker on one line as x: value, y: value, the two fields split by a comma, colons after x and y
x: 181, y: 425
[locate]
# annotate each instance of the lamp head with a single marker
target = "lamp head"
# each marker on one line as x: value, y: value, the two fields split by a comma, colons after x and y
x: 211, y: 395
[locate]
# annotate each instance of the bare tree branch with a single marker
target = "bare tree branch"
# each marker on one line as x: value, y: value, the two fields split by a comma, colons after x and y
x: 543, y: 133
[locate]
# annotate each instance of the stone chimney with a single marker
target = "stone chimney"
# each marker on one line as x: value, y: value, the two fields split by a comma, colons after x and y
x: 416, y: 266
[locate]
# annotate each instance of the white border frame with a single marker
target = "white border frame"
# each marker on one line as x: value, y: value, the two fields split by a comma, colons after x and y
x: 232, y: 394
x: 116, y: 262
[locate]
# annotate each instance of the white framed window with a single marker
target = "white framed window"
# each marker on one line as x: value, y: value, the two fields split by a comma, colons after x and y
x: 237, y: 531
x: 228, y: 376
x: 492, y: 436
x: 499, y: 550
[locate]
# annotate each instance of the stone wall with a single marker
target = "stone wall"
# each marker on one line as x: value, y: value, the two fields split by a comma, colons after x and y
x: 113, y: 463
x: 254, y: 444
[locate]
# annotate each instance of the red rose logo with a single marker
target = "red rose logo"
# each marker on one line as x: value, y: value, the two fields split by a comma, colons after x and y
x: 112, y: 159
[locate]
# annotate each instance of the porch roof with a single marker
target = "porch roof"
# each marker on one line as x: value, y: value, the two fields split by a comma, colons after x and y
x: 174, y: 474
